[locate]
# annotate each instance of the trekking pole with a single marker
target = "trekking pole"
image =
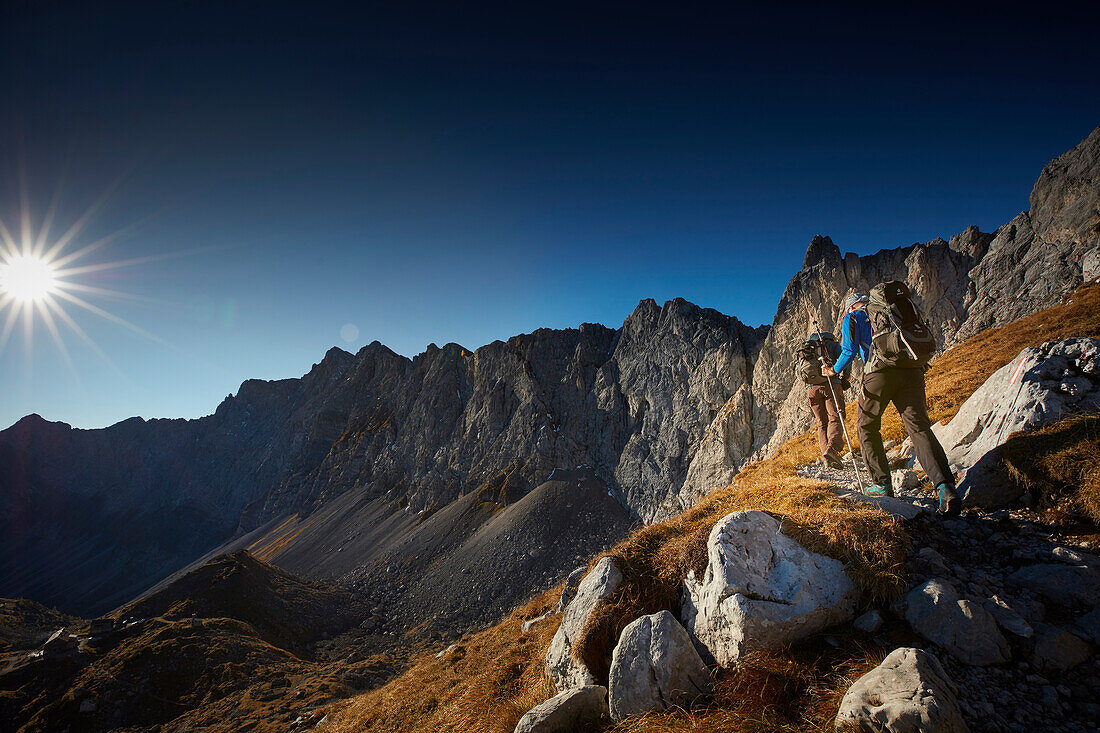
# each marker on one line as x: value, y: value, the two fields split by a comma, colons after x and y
x: 843, y: 414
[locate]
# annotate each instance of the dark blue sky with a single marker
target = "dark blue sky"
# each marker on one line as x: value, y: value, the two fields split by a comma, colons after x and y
x: 464, y: 173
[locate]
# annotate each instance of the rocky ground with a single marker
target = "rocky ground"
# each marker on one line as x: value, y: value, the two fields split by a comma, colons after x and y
x: 1037, y: 577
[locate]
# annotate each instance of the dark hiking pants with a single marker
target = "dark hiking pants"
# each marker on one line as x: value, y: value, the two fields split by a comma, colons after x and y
x: 905, y: 388
x: 830, y: 435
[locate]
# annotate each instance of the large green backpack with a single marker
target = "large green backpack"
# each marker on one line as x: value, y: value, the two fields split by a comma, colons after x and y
x: 899, y: 333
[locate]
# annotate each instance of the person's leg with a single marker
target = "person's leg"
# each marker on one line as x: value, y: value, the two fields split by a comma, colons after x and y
x: 914, y: 415
x: 836, y: 429
x: 818, y: 402
x: 909, y: 398
x: 874, y: 395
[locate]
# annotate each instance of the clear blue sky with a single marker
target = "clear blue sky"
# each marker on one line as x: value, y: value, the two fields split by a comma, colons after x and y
x: 435, y: 175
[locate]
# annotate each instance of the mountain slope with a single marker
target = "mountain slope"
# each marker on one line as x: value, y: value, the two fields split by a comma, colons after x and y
x: 500, y: 672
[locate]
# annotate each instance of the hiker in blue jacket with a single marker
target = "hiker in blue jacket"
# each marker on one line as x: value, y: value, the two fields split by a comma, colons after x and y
x: 855, y: 332
x: 880, y: 386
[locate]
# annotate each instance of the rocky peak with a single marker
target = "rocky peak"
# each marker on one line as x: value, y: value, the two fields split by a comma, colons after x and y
x: 1064, y: 201
x: 821, y: 251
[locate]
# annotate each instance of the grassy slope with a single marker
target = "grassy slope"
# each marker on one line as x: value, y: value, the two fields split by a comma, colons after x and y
x: 493, y: 676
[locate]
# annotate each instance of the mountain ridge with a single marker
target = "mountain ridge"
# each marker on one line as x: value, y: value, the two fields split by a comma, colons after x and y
x: 663, y: 409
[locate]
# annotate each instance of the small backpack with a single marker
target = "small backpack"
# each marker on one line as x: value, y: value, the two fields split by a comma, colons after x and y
x: 810, y: 355
x: 899, y: 333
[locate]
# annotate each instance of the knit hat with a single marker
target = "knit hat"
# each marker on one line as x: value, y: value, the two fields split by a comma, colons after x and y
x: 854, y: 299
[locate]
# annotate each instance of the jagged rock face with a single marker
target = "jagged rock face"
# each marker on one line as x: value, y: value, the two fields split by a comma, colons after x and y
x: 633, y: 404
x: 1045, y: 252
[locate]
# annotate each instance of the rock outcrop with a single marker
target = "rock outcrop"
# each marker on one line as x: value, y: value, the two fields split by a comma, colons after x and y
x: 562, y: 666
x: 655, y: 666
x: 761, y: 589
x: 908, y: 693
x: 1036, y: 388
x: 960, y: 626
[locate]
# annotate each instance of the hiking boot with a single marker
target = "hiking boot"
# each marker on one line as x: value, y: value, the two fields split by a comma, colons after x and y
x: 950, y: 503
x: 879, y: 490
x: 832, y: 461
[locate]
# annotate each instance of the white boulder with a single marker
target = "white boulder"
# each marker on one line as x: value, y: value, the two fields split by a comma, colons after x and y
x: 582, y: 708
x: 566, y: 671
x: 655, y: 666
x: 762, y: 589
x: 908, y: 693
x: 1037, y: 388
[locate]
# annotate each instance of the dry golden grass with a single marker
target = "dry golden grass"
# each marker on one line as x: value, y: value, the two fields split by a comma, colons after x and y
x: 783, y: 691
x: 1059, y: 464
x: 500, y: 673
x: 486, y: 683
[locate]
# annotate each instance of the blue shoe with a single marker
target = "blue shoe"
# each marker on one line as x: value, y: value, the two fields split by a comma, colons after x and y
x: 950, y: 503
x: 879, y: 490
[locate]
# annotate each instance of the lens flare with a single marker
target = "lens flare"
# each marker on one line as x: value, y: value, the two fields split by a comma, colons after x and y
x: 27, y: 279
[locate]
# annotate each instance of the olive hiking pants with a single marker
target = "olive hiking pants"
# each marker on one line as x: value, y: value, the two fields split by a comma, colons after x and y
x: 905, y: 388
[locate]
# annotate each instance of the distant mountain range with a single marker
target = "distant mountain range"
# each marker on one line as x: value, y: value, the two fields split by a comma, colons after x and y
x: 374, y: 461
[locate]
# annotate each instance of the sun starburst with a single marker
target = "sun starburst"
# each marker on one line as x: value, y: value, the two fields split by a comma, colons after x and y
x: 40, y: 281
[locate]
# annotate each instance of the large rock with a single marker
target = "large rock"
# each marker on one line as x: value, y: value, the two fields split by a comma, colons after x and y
x: 1074, y: 585
x: 762, y: 589
x: 1058, y: 649
x: 582, y: 708
x: 561, y: 665
x: 1036, y: 388
x: 963, y: 628
x: 725, y: 447
x: 908, y: 693
x: 655, y: 666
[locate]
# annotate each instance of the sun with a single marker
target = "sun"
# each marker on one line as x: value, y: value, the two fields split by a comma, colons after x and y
x: 41, y: 280
x: 28, y: 279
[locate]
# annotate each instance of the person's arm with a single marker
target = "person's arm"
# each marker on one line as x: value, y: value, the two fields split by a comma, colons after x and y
x: 847, y: 346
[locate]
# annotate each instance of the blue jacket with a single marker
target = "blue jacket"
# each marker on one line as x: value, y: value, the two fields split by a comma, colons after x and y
x: 855, y: 334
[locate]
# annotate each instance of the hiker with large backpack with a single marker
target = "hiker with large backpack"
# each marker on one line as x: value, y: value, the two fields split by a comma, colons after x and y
x: 826, y: 395
x: 896, y: 344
